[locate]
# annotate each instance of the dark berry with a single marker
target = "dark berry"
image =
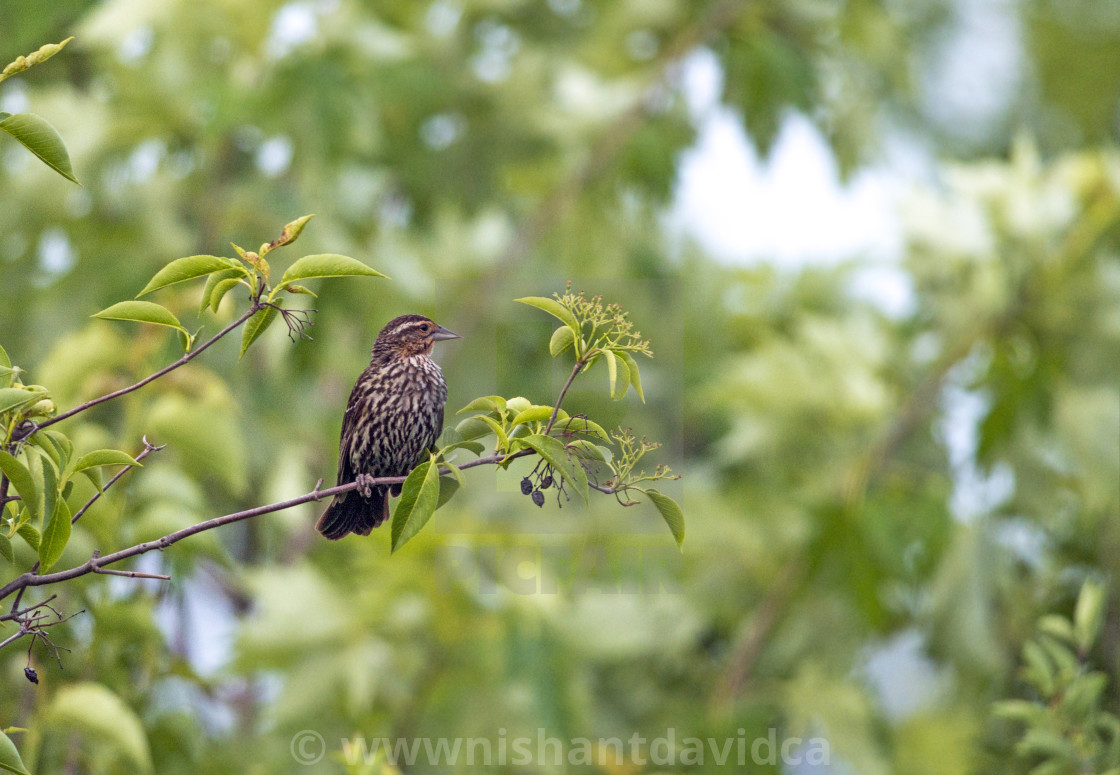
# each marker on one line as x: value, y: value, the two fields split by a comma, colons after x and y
x: 526, y: 486
x: 538, y: 497
x: 546, y: 482
x: 32, y: 676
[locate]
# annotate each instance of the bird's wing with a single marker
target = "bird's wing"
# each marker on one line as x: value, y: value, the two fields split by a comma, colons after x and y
x: 348, y: 438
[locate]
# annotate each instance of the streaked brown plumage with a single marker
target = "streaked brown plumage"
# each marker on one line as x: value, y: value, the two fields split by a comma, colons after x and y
x: 395, y: 412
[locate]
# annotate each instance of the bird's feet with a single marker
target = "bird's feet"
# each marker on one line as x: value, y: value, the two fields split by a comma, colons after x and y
x: 365, y: 485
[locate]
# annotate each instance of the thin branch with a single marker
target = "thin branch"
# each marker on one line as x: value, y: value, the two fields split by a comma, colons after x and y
x: 187, y: 358
x: 97, y: 562
x: 14, y: 637
x: 132, y: 574
x: 755, y: 632
x: 149, y: 448
x: 17, y: 614
x: 560, y: 398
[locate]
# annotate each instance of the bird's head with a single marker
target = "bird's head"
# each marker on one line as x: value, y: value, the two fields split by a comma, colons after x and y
x: 409, y: 335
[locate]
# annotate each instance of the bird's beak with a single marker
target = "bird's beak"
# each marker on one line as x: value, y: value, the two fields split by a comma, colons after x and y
x: 442, y: 333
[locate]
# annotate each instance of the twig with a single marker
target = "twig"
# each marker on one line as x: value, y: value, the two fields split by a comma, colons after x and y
x: 18, y: 614
x: 14, y: 637
x: 563, y: 392
x: 187, y: 358
x: 132, y: 574
x: 31, y: 622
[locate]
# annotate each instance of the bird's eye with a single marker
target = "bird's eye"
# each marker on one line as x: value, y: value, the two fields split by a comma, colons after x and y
x: 424, y: 327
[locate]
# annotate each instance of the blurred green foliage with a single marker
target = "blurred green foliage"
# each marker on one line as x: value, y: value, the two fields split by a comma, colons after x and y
x: 882, y: 507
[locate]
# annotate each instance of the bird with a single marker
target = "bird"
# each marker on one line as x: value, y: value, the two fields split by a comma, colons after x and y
x: 394, y: 414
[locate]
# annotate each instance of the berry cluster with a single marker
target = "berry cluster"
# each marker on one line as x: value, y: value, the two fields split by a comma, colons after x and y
x: 545, y: 480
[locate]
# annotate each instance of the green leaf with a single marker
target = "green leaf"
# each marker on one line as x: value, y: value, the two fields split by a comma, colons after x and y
x: 562, y: 338
x: 301, y: 289
x: 1039, y: 670
x: 4, y: 359
x: 38, y: 136
x: 220, y: 290
x: 13, y: 398
x: 22, y: 63
x: 256, y: 326
x: 554, y: 308
x: 186, y: 269
x: 94, y: 476
x: 7, y: 376
x: 62, y: 446
x: 487, y: 404
x: 22, y: 481
x: 471, y: 445
x: 472, y: 428
x: 1057, y: 627
x: 1082, y: 696
x: 618, y: 375
x: 289, y: 234
x: 532, y: 414
x: 102, y: 716
x: 9, y: 756
x: 46, y: 476
x: 104, y: 457
x: 1089, y: 613
x: 518, y: 404
x: 589, y: 450
x: 499, y: 431
x: 554, y: 453
x: 217, y: 285
x: 670, y: 512
x: 326, y: 265
x: 1017, y: 710
x: 6, y: 548
x: 141, y: 312
x: 55, y: 536
x: 1045, y: 742
x: 31, y: 535
x: 580, y: 425
x: 185, y: 339
x: 632, y: 370
x: 448, y: 486
x: 419, y: 497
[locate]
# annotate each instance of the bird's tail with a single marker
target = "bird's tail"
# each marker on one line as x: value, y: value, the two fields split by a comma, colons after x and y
x: 351, y: 513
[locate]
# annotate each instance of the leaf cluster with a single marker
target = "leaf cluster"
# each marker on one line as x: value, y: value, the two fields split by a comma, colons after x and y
x: 249, y: 269
x: 1066, y: 728
x: 593, y: 330
x: 39, y: 470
